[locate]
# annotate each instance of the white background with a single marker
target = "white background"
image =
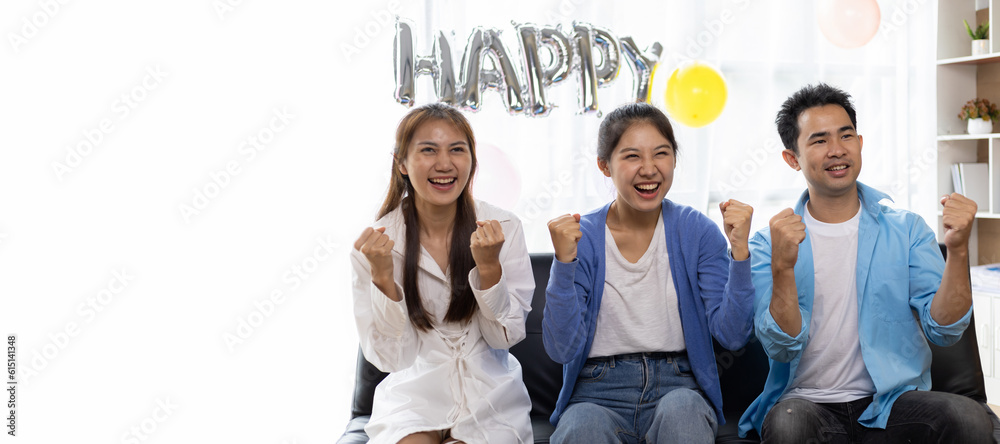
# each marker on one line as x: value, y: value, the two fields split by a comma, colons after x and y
x: 188, y: 347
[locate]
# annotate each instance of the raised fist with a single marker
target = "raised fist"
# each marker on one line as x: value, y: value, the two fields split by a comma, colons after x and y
x: 787, y: 232
x: 377, y: 248
x: 486, y: 243
x: 959, y: 214
x: 736, y: 218
x: 565, y: 231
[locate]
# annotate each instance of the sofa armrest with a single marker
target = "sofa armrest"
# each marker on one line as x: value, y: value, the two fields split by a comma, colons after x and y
x: 355, y: 433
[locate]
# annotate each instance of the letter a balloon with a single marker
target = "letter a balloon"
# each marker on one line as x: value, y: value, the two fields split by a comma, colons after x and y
x: 696, y: 94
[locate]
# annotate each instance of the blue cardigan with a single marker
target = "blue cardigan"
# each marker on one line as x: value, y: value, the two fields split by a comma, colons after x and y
x: 714, y: 294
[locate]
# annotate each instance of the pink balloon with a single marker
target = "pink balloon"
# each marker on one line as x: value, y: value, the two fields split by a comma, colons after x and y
x: 848, y: 23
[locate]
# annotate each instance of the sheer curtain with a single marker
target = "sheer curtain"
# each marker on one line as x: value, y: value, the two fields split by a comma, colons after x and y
x: 545, y: 166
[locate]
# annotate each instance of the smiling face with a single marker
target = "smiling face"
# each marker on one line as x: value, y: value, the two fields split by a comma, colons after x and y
x: 829, y: 151
x: 641, y: 167
x: 438, y: 162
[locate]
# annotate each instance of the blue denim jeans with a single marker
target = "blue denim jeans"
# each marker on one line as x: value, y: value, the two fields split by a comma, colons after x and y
x: 637, y: 398
x: 916, y: 417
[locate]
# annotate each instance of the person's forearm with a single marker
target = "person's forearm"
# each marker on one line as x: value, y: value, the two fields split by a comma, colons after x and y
x: 387, y: 286
x: 740, y: 252
x: 954, y: 297
x: 489, y: 276
x: 785, y: 302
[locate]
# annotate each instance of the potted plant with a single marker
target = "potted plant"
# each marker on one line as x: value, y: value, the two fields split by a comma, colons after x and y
x: 981, y: 114
x: 980, y: 38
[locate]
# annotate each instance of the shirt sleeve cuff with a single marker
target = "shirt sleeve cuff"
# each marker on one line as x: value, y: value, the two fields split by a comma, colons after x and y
x: 564, y: 275
x: 954, y: 328
x: 776, y: 335
x: 740, y: 276
x: 494, y: 300
x: 390, y: 316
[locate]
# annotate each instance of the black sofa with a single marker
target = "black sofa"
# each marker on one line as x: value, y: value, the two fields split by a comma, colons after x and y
x: 954, y: 369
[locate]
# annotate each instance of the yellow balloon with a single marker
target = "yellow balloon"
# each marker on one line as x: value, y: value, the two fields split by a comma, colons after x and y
x: 696, y: 94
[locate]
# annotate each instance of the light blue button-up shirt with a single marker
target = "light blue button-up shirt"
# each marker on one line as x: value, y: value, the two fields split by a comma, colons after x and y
x: 899, y: 271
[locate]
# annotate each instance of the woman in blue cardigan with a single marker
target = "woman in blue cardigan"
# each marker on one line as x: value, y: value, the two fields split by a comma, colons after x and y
x: 637, y: 291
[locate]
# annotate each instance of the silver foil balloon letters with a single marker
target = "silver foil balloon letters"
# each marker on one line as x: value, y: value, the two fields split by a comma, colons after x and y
x: 642, y: 65
x: 583, y: 37
x: 548, y: 56
x: 608, y: 44
x: 562, y: 54
x: 502, y: 78
x: 541, y: 75
x: 408, y: 67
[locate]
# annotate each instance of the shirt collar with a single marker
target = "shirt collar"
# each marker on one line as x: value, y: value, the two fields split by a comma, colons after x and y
x: 869, y: 196
x: 395, y: 227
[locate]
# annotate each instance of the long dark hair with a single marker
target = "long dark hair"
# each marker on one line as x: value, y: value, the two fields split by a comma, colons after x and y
x: 463, y: 303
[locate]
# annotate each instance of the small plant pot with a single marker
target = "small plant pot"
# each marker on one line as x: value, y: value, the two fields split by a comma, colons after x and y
x: 980, y: 47
x: 980, y: 126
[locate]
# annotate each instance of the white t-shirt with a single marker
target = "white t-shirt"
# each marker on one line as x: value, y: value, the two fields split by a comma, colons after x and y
x: 639, y: 307
x: 831, y: 368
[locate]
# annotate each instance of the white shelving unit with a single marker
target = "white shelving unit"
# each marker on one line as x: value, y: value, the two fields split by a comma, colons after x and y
x: 960, y: 78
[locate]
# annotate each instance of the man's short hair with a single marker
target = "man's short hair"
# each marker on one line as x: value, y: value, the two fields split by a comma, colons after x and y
x: 808, y: 97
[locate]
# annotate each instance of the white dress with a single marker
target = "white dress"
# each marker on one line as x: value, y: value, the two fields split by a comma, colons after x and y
x: 457, y: 377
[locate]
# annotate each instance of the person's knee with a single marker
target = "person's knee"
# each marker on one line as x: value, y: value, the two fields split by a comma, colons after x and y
x: 683, y: 415
x: 968, y: 419
x: 585, y: 422
x: 421, y: 438
x: 681, y: 404
x: 791, y: 421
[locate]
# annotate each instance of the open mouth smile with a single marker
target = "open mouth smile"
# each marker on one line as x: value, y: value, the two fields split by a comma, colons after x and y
x: 647, y: 190
x: 442, y: 183
x: 838, y: 171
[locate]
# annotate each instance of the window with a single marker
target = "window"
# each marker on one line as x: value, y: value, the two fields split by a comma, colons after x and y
x: 542, y: 167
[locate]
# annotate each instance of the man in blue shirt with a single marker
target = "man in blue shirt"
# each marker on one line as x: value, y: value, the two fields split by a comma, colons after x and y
x: 849, y: 291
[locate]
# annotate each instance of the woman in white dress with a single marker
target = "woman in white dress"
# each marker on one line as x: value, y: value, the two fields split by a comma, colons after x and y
x: 442, y: 285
